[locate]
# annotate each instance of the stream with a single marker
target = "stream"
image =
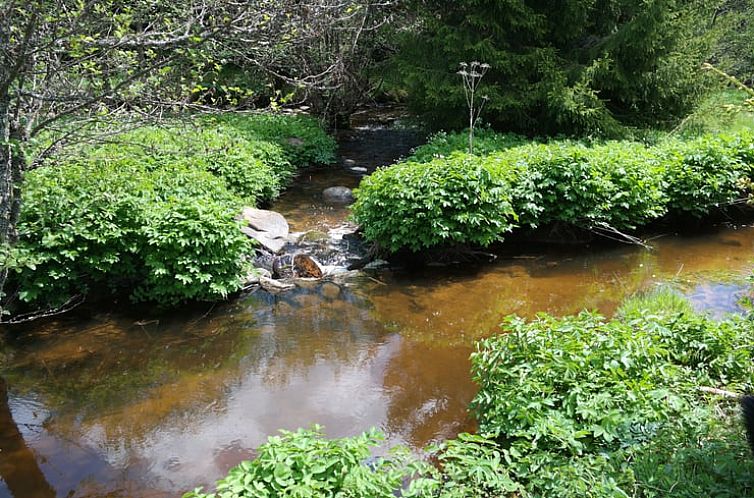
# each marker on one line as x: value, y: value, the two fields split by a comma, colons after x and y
x: 124, y: 403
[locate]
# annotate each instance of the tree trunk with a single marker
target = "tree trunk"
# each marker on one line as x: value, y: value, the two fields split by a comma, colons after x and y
x: 12, y: 163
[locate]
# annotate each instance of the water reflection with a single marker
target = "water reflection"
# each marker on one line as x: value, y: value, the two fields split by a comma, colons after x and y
x: 109, y: 404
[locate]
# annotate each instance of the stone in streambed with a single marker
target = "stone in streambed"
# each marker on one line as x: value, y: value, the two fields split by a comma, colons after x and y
x: 338, y: 195
x: 305, y: 266
x: 269, y: 228
x: 266, y: 221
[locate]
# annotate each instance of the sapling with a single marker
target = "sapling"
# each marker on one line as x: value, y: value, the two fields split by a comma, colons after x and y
x: 472, y: 74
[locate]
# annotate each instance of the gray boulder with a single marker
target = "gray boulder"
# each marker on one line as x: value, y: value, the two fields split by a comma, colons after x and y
x: 267, y: 227
x: 338, y: 195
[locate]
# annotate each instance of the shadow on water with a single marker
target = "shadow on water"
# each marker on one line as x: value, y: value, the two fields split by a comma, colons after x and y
x: 126, y: 403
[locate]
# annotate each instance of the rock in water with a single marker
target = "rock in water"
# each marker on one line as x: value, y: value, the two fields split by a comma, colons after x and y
x: 338, y: 195
x: 282, y: 267
x: 266, y: 221
x: 275, y: 286
x: 272, y: 244
x: 306, y: 267
x: 267, y: 227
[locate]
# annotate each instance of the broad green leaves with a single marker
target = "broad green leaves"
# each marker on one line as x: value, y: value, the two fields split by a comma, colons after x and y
x: 153, y: 215
x: 458, y: 198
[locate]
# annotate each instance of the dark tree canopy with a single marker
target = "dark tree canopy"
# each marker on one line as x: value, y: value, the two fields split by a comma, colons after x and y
x: 573, y: 66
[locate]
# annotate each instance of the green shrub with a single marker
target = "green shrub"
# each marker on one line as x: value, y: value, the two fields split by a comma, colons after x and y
x: 573, y: 385
x: 302, y: 138
x: 588, y: 407
x: 420, y: 205
x: 305, y: 465
x: 618, y: 184
x: 660, y: 302
x: 486, y: 142
x: 166, y: 235
x: 253, y: 169
x: 558, y: 66
x: 569, y: 407
x: 153, y: 213
x: 607, y: 186
x: 705, y: 173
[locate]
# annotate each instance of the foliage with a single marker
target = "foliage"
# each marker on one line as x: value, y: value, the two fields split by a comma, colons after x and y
x: 254, y: 170
x: 588, y: 407
x: 486, y: 141
x: 301, y: 137
x: 732, y: 50
x: 571, y: 66
x: 256, y: 154
x: 152, y: 214
x: 470, y: 465
x: 303, y: 464
x: 420, y: 205
x: 618, y: 185
x: 663, y: 301
x: 165, y: 235
x: 707, y: 172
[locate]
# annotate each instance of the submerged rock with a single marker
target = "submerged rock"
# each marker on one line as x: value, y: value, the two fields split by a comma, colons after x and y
x: 338, y: 195
x: 313, y: 236
x: 330, y: 290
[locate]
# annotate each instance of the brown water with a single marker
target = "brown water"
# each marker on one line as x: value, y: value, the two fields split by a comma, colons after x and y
x: 134, y: 404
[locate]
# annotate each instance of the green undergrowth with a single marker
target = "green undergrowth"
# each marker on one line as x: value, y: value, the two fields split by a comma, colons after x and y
x: 579, y: 406
x: 607, y: 186
x: 152, y: 214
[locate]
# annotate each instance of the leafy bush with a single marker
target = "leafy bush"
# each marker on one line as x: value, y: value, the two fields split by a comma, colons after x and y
x: 301, y: 137
x: 612, y: 185
x: 573, y: 385
x: 420, y: 205
x: 705, y: 173
x: 303, y: 464
x: 153, y: 213
x: 569, y: 407
x: 166, y: 235
x: 486, y: 142
x: 618, y: 184
x: 253, y: 169
x: 588, y: 407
